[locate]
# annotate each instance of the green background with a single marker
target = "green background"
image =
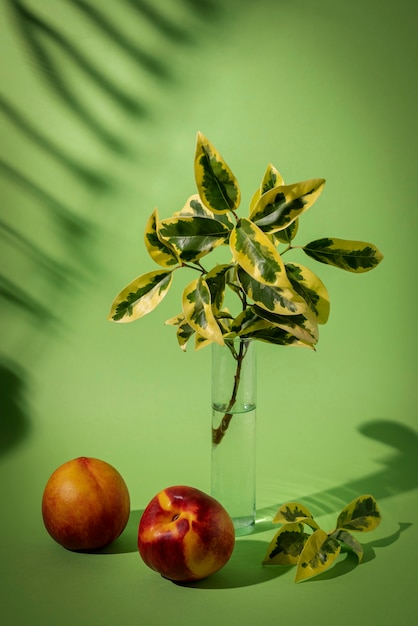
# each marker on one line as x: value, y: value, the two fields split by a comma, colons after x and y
x: 100, y: 105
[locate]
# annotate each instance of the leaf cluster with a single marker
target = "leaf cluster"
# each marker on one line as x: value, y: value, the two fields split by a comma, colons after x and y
x: 279, y: 303
x: 316, y: 550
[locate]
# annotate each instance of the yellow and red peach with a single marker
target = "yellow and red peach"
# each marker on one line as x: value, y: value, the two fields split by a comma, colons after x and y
x: 185, y: 534
x: 85, y: 504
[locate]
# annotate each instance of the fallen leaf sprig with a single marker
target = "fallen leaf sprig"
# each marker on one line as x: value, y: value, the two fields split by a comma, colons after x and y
x: 314, y: 552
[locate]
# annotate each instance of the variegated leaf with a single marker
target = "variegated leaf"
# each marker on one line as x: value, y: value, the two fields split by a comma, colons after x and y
x: 286, y: 545
x: 287, y: 234
x: 184, y: 333
x: 248, y: 322
x: 279, y: 207
x: 141, y: 296
x: 277, y: 336
x: 318, y: 554
x: 271, y: 179
x: 362, y: 514
x: 216, y: 184
x: 176, y: 320
x: 194, y: 207
x: 192, y: 237
x: 352, y: 256
x: 198, y: 312
x: 311, y: 289
x: 350, y: 541
x: 294, y: 512
x: 158, y: 250
x: 201, y: 342
x: 298, y: 325
x: 281, y: 300
x: 216, y: 281
x: 257, y: 255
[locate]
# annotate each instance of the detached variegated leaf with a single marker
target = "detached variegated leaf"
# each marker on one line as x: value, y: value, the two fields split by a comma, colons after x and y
x: 194, y: 207
x: 216, y: 184
x: 141, y: 296
x: 319, y: 553
x: 286, y: 545
x: 192, y: 237
x: 352, y: 256
x: 311, y: 289
x: 198, y: 312
x: 291, y: 512
x: 294, y: 512
x: 257, y: 255
x: 271, y: 179
x: 362, y: 514
x: 281, y: 300
x: 280, y: 206
x: 350, y: 541
x: 298, y: 325
x: 158, y: 250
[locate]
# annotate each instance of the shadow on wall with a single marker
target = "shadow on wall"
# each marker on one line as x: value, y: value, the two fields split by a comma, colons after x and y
x: 57, y: 59
x: 14, y: 422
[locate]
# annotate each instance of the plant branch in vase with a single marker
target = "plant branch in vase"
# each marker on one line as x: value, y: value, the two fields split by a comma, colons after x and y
x: 278, y: 302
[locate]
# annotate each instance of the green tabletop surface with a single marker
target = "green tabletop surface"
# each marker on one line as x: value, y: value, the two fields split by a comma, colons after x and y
x: 100, y: 104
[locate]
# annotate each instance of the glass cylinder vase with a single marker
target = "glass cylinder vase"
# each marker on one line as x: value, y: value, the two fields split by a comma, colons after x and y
x: 233, y: 468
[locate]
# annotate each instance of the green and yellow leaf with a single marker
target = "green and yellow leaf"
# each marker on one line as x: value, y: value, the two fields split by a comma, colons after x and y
x: 271, y: 179
x: 192, y: 237
x: 184, y: 333
x: 201, y: 342
x: 280, y: 206
x: 287, y: 234
x: 176, y: 320
x: 277, y: 336
x: 257, y: 255
x: 311, y: 289
x: 198, y: 312
x: 294, y: 512
x: 362, y: 514
x: 299, y: 326
x: 352, y: 256
x: 194, y: 207
x: 318, y: 554
x: 351, y: 542
x: 216, y: 184
x: 216, y: 281
x: 141, y: 296
x: 281, y: 300
x: 158, y: 250
x: 286, y: 545
x: 248, y: 322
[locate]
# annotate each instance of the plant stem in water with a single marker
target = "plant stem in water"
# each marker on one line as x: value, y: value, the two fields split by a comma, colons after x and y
x: 219, y: 432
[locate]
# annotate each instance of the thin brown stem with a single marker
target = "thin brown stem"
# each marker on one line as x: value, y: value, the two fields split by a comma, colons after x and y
x: 219, y: 432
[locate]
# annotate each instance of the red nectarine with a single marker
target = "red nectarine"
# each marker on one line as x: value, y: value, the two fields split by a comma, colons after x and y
x: 185, y: 534
x: 85, y: 504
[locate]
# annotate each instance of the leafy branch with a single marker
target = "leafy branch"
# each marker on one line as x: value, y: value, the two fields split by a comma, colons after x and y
x: 278, y: 303
x: 314, y: 552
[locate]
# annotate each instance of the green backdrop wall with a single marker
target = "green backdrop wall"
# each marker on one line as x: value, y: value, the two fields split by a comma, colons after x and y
x: 100, y: 105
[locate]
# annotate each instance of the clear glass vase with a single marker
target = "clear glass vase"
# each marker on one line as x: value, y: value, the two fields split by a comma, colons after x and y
x: 234, y: 378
